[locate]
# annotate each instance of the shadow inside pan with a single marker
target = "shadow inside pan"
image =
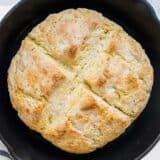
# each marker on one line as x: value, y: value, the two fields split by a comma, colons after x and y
x: 138, y: 20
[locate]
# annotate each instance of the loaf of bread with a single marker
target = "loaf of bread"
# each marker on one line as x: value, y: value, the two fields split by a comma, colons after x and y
x: 79, y: 80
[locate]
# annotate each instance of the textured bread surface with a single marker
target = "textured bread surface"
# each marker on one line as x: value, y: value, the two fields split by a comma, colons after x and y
x: 79, y: 80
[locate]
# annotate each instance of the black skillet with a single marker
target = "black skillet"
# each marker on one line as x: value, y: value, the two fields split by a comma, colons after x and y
x: 139, y: 20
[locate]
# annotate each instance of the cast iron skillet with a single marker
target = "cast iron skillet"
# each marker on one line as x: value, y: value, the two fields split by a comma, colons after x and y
x: 139, y: 20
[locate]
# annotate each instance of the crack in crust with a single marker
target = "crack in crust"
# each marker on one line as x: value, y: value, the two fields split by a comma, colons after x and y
x: 105, y: 100
x: 79, y: 81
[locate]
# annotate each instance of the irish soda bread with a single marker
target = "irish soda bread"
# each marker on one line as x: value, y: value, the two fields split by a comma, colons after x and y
x: 80, y: 80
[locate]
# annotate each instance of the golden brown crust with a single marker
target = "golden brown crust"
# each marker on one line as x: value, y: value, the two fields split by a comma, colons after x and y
x: 119, y: 79
x: 36, y: 74
x: 79, y: 81
x: 61, y: 34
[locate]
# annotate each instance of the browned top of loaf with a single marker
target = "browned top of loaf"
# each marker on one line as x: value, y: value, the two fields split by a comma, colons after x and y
x: 79, y: 79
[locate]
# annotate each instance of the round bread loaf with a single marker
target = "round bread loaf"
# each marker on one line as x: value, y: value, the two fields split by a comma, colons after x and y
x: 79, y: 80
